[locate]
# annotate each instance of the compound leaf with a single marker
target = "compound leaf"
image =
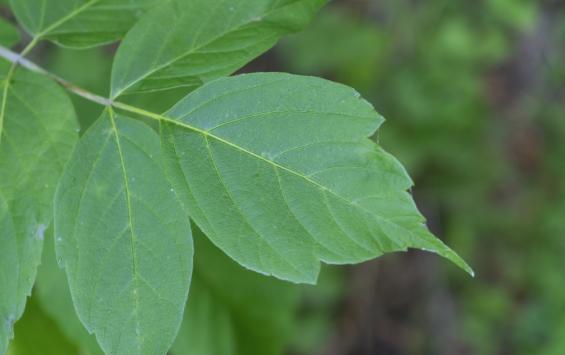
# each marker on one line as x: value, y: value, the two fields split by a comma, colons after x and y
x: 79, y: 23
x: 186, y: 43
x: 123, y: 238
x: 37, y: 132
x: 277, y: 170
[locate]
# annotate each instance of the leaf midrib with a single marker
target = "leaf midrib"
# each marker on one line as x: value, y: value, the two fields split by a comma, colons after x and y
x: 133, y: 237
x: 207, y: 134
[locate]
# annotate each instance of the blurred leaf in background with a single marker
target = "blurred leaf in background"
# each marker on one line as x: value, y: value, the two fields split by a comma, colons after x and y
x: 234, y: 311
x: 87, y: 68
x: 37, y: 334
x: 53, y: 296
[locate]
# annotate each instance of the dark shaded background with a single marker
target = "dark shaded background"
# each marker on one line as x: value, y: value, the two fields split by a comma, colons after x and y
x: 474, y: 96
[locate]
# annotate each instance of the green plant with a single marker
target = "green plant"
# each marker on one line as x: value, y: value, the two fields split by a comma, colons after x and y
x: 277, y: 170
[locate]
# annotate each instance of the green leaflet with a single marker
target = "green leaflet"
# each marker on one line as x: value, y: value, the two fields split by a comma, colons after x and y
x: 79, y: 23
x: 278, y: 171
x: 123, y: 238
x: 37, y: 132
x: 53, y: 296
x: 9, y: 34
x: 233, y: 311
x: 186, y: 43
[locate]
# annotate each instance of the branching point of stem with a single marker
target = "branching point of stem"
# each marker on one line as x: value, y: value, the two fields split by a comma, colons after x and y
x: 19, y: 59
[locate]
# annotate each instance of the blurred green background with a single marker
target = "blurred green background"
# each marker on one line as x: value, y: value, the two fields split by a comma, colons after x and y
x: 474, y: 96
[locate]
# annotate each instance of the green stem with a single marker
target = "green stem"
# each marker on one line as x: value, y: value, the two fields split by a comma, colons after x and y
x: 18, y: 59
